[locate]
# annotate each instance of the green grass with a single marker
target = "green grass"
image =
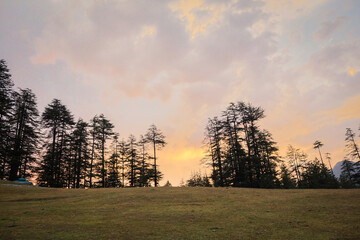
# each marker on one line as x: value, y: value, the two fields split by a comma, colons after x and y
x: 178, y: 213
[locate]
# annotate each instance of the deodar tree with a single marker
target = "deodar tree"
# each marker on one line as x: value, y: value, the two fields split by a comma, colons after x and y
x: 132, y: 159
x: 94, y: 132
x: 57, y: 121
x: 213, y: 138
x: 144, y: 165
x: 64, y: 154
x: 6, y: 105
x: 353, y: 153
x: 123, y: 153
x: 25, y: 138
x: 156, y: 138
x: 239, y: 153
x: 317, y: 145
x: 113, y: 166
x: 78, y: 161
x: 105, y: 132
x: 296, y: 159
x: 351, y: 145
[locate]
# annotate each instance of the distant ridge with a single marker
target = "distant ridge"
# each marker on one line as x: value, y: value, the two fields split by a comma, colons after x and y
x: 337, y: 169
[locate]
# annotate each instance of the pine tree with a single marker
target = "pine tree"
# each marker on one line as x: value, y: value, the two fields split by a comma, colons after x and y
x: 94, y: 141
x: 105, y: 132
x: 351, y: 145
x: 58, y: 121
x: 269, y: 158
x: 231, y: 130
x: 157, y: 139
x: 347, y: 174
x: 81, y: 155
x: 286, y: 180
x: 250, y: 116
x: 316, y: 175
x: 214, y: 138
x: 6, y: 105
x: 239, y: 153
x: 26, y: 136
x: 328, y: 157
x: 353, y: 153
x: 296, y: 159
x: 123, y: 152
x: 317, y: 145
x: 113, y: 178
x: 197, y: 180
x: 144, y: 165
x: 132, y: 161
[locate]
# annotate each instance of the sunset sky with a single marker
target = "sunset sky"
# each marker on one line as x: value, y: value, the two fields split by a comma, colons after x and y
x: 177, y: 63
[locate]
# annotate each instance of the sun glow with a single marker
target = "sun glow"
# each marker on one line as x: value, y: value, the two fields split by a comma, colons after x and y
x: 352, y: 71
x: 187, y: 154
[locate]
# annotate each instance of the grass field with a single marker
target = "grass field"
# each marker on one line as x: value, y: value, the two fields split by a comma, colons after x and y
x: 178, y: 213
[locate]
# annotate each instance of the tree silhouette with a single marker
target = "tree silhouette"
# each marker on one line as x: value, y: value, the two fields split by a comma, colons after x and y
x: 59, y: 121
x: 6, y: 105
x: 157, y: 139
x: 286, y: 180
x: 316, y: 175
x: 132, y: 160
x: 94, y: 132
x: 123, y: 151
x: 213, y: 135
x: 144, y: 165
x: 347, y: 174
x: 317, y: 145
x: 105, y: 131
x: 26, y: 135
x: 328, y: 157
x: 296, y: 159
x: 80, y: 152
x: 197, y: 180
x: 351, y: 145
x: 113, y: 178
x: 239, y: 152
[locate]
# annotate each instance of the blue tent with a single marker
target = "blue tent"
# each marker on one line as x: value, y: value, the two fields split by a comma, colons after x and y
x: 22, y: 180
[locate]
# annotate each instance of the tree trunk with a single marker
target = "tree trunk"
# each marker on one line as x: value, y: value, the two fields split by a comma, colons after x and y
x: 92, y: 160
x: 103, y: 160
x: 155, y: 178
x: 321, y: 158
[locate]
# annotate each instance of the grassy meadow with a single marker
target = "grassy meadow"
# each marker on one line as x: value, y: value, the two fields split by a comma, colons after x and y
x: 178, y: 213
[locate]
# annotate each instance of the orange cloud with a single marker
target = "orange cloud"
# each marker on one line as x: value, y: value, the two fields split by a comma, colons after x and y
x: 196, y: 24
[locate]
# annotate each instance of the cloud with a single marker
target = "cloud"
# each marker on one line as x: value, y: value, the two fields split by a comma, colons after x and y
x: 178, y: 63
x: 291, y: 9
x: 151, y: 53
x: 352, y: 71
x: 198, y: 14
x: 147, y: 31
x: 332, y: 63
x: 329, y: 27
x: 281, y: 12
x: 349, y: 110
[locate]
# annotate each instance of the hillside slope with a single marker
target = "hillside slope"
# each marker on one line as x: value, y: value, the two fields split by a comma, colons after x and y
x: 178, y: 213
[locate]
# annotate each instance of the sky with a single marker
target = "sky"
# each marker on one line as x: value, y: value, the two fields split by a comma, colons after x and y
x: 177, y: 63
